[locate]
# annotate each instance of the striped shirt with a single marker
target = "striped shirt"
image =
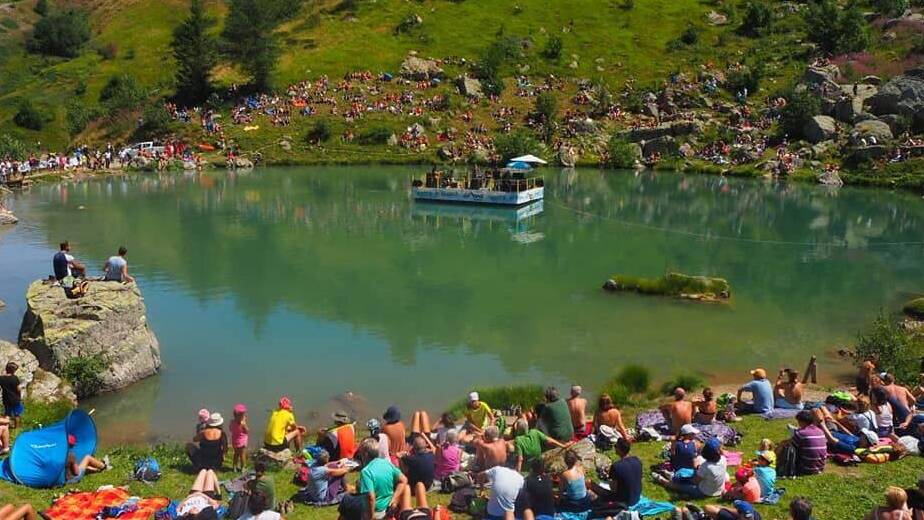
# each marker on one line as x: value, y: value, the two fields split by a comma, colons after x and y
x: 812, y: 447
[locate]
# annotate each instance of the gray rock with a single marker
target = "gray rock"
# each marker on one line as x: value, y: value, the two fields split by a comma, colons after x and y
x: 897, y: 124
x: 819, y: 75
x: 38, y: 384
x: 715, y: 18
x: 241, y: 163
x: 902, y: 95
x: 871, y: 80
x: 676, y: 129
x: 823, y: 148
x: 666, y: 146
x: 419, y: 69
x: 7, y: 217
x: 846, y: 110
x: 469, y: 87
x: 820, y: 128
x: 109, y: 322
x: 651, y: 109
x: 870, y: 153
x: 871, y: 129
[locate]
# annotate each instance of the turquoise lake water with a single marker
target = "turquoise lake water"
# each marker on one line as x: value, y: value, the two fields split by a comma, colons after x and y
x: 313, y: 282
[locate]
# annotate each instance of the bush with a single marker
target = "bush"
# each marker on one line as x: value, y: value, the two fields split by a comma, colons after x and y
x: 320, y: 132
x: 504, y: 397
x: 635, y: 377
x: 890, y: 8
x: 27, y: 116
x: 61, y: 33
x: 519, y: 142
x: 618, y: 391
x: 747, y: 77
x: 41, y: 7
x: 800, y: 107
x: 107, y: 51
x: 44, y: 414
x: 122, y: 92
x: 758, y: 18
x: 375, y: 135
x: 688, y: 381
x: 83, y: 373
x: 553, y: 48
x: 12, y: 148
x: 78, y: 116
x: 836, y: 30
x: 894, y: 349
x: 155, y: 121
x: 621, y: 153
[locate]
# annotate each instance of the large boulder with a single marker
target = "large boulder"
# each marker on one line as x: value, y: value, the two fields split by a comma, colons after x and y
x: 871, y: 130
x: 470, y: 87
x: 820, y: 128
x: 897, y: 124
x: 108, y: 323
x: 419, y: 69
x: 39, y: 385
x: 592, y: 460
x: 819, y: 75
x: 675, y: 129
x: 902, y: 95
x: 7, y: 217
x: 665, y: 146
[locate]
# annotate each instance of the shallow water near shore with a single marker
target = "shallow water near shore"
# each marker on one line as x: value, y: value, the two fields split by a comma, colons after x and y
x: 314, y: 282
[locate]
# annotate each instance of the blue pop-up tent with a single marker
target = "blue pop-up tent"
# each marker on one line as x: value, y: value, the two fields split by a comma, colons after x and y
x: 39, y: 456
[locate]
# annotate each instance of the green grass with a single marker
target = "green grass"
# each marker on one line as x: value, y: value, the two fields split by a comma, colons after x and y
x: 672, y: 284
x: 840, y: 493
x: 503, y: 397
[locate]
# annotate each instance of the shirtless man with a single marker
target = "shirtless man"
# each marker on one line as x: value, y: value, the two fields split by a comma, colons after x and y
x: 678, y: 412
x: 788, y: 393
x: 899, y: 392
x: 577, y: 405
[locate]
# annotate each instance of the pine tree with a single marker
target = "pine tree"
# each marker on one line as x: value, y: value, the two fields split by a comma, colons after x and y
x: 250, y: 39
x: 196, y: 54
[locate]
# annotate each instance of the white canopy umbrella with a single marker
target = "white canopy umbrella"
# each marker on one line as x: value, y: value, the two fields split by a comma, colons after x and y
x: 528, y: 159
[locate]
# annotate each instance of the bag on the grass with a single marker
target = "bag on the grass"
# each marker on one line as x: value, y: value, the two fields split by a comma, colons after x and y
x: 786, y: 461
x: 462, y: 499
x: 456, y: 480
x: 238, y: 505
x: 147, y: 470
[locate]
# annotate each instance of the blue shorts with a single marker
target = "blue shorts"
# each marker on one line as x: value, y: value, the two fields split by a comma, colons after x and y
x: 77, y: 478
x: 15, y: 411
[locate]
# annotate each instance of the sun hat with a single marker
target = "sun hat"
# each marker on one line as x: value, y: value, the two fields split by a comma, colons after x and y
x: 374, y: 426
x: 609, y: 433
x: 285, y: 403
x: 473, y: 397
x: 240, y: 408
x: 759, y: 373
x: 871, y: 436
x: 392, y: 414
x: 688, y: 429
x: 712, y: 450
x: 204, y: 415
x: 768, y: 456
x: 341, y: 417
x: 215, y: 420
x: 71, y: 440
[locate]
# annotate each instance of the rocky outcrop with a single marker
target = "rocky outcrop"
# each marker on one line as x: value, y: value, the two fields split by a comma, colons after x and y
x: 7, y: 217
x: 469, y: 87
x: 108, y: 323
x: 820, y: 128
x: 665, y: 146
x: 872, y: 131
x: 419, y: 69
x: 38, y: 384
x: 902, y: 95
x: 819, y: 75
x: 897, y: 124
x: 915, y: 308
x: 241, y: 163
x: 676, y: 129
x: 678, y: 285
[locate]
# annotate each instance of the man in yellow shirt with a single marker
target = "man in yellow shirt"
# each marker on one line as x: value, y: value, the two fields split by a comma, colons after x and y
x: 281, y: 428
x: 478, y: 416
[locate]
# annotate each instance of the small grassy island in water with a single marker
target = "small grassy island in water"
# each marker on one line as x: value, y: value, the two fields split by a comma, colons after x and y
x: 677, y: 285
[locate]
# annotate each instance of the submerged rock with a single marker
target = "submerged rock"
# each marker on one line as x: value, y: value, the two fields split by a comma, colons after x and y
x: 108, y: 323
x: 38, y: 384
x: 699, y: 288
x: 7, y: 217
x: 915, y: 308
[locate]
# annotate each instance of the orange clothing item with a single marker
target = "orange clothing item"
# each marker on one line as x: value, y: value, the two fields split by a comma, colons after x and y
x: 397, y: 438
x: 346, y: 440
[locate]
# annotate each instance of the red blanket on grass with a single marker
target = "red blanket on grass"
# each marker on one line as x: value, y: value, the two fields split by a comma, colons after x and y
x: 86, y: 505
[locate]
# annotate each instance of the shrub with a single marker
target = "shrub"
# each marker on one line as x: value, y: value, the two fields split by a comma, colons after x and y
x: 41, y: 7
x: 553, y: 48
x: 801, y: 105
x: 635, y: 377
x: 155, y: 120
x: 107, y: 51
x: 122, y: 92
x: 62, y: 33
x: 78, y: 116
x: 621, y: 153
x: 627, y: 5
x: 890, y: 8
x: 12, y: 147
x: 504, y: 397
x: 83, y: 373
x: 519, y: 142
x: 320, y: 132
x: 546, y: 110
x: 747, y: 77
x: 375, y: 135
x: 618, y: 391
x: 687, y: 381
x: 758, y: 18
x: 895, y: 350
x: 836, y: 30
x: 690, y: 36
x: 27, y: 116
x: 44, y: 414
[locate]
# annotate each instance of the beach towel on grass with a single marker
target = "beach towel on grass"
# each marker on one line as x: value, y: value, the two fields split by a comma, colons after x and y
x: 86, y: 505
x: 786, y: 413
x: 732, y: 458
x: 648, y: 507
x: 773, y: 498
x: 720, y: 430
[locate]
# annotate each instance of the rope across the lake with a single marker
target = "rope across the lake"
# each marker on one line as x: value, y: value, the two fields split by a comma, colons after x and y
x: 709, y: 236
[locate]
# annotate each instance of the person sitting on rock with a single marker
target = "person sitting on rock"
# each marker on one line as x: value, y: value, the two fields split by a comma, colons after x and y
x: 65, y: 265
x: 554, y: 417
x: 116, y: 268
x: 528, y: 444
x: 788, y: 393
x: 209, y: 446
x: 282, y: 430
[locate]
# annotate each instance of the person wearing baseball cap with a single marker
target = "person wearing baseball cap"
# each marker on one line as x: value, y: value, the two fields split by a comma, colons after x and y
x: 743, y: 510
x: 761, y: 393
x: 478, y: 416
x: 765, y: 472
x: 684, y: 449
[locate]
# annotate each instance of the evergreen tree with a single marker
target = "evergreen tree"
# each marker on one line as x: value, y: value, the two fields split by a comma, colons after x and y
x: 249, y: 35
x: 196, y: 54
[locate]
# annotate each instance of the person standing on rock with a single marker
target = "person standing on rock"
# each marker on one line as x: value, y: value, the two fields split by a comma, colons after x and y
x: 12, y: 396
x: 116, y: 268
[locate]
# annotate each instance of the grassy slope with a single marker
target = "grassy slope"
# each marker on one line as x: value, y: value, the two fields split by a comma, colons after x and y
x: 838, y: 494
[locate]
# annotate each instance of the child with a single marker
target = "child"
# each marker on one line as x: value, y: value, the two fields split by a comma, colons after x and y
x: 765, y: 471
x: 203, y: 420
x: 239, y: 437
x: 12, y: 396
x: 745, y: 488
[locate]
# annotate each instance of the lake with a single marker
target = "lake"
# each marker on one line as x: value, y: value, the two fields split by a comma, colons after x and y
x: 313, y: 282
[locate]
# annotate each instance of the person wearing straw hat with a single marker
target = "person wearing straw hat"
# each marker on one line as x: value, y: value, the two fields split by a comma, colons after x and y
x: 207, y: 449
x: 339, y: 440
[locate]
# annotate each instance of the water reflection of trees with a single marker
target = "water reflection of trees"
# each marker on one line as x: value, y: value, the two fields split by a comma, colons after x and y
x: 344, y: 246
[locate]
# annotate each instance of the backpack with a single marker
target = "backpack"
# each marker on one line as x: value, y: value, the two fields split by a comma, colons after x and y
x: 147, y: 470
x: 625, y: 514
x: 238, y: 505
x: 456, y: 480
x: 462, y: 499
x: 786, y: 461
x: 302, y: 475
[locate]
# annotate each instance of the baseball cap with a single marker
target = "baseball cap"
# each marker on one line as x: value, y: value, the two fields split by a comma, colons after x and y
x: 759, y: 373
x: 472, y: 397
x: 688, y: 429
x: 240, y: 408
x: 768, y: 456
